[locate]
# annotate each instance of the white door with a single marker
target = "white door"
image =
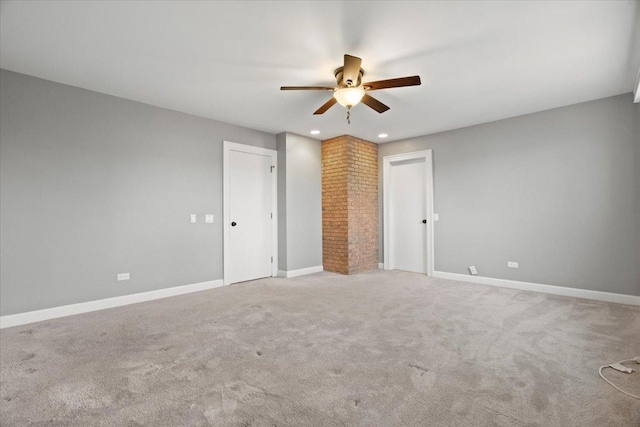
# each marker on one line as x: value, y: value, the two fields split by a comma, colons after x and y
x: 250, y: 217
x: 408, y: 215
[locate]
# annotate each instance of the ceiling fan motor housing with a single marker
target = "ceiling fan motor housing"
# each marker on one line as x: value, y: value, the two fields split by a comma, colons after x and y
x: 338, y: 73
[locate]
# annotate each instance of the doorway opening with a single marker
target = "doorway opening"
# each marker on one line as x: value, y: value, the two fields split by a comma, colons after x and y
x: 408, y: 212
x: 250, y: 212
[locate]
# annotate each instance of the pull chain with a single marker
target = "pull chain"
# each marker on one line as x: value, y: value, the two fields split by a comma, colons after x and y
x: 349, y: 116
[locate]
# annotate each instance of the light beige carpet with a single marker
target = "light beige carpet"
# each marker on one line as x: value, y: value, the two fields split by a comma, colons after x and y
x: 375, y: 349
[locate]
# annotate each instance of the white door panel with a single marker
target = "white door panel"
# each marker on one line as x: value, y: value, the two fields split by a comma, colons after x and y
x: 250, y: 205
x: 407, y: 210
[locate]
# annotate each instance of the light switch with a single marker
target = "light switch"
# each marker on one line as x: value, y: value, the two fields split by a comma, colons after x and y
x: 193, y: 218
x: 436, y: 217
x: 208, y: 218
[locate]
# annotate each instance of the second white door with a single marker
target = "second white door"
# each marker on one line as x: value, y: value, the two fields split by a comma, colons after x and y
x: 408, y: 215
x: 250, y: 217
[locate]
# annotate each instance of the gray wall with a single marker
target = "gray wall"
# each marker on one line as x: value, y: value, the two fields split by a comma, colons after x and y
x: 300, y: 198
x: 93, y: 185
x: 557, y: 191
x: 281, y: 144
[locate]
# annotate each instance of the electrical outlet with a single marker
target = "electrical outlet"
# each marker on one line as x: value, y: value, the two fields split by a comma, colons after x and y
x: 473, y: 270
x: 193, y: 218
x: 512, y: 264
x: 208, y: 218
x: 123, y: 276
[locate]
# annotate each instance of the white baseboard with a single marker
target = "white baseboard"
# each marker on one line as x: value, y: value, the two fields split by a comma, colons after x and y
x: 85, y: 307
x: 301, y: 272
x: 547, y: 289
x: 381, y: 265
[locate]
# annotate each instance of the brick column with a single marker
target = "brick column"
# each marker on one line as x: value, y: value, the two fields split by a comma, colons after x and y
x: 349, y: 205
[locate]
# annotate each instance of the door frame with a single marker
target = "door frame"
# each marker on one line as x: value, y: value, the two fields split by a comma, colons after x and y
x: 387, y: 164
x: 228, y: 147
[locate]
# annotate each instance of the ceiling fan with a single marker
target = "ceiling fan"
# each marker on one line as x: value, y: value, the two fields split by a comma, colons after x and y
x: 350, y: 89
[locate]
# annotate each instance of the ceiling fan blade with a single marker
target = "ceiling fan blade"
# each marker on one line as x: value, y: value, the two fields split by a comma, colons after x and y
x: 330, y: 103
x: 374, y: 103
x: 351, y: 70
x: 307, y: 88
x: 387, y: 84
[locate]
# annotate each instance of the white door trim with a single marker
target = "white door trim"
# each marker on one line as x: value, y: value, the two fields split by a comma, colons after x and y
x: 387, y: 162
x: 229, y: 146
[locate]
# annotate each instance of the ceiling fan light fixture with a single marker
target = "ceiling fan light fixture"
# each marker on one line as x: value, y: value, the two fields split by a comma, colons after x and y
x: 349, y: 96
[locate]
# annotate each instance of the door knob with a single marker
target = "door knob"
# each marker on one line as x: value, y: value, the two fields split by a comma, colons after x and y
x: 233, y: 224
x: 424, y: 221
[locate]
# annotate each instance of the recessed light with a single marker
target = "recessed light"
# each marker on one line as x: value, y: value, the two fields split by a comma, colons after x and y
x: 315, y: 132
x: 382, y: 135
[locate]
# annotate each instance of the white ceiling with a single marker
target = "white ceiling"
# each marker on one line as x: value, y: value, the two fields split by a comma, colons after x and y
x: 479, y: 61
